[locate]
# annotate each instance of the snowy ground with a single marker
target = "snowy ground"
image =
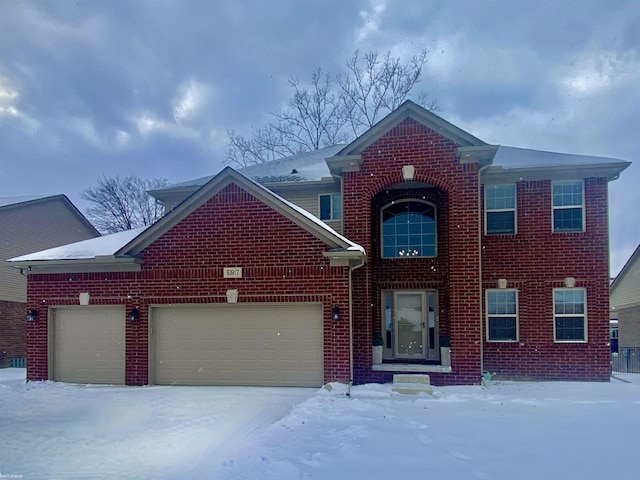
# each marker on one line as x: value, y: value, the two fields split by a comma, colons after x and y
x: 506, y: 430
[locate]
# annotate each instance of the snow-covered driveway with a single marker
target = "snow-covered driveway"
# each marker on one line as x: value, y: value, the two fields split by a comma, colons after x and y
x: 506, y: 431
x: 54, y: 430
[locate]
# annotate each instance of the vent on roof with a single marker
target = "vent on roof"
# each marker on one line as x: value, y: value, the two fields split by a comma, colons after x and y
x: 293, y: 171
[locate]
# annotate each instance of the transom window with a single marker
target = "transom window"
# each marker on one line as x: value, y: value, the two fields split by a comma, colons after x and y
x: 502, y: 315
x: 500, y: 209
x: 568, y: 206
x: 408, y: 229
x: 331, y: 206
x: 569, y: 315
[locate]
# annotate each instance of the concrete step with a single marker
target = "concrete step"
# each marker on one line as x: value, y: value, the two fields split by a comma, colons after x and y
x: 412, y: 384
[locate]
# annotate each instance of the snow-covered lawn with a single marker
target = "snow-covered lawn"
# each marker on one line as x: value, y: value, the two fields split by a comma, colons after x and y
x: 507, y: 430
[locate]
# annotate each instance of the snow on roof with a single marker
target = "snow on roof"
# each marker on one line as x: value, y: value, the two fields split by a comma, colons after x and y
x: 86, y: 249
x: 352, y: 245
x: 6, y: 201
x: 303, y: 167
x: 513, y: 157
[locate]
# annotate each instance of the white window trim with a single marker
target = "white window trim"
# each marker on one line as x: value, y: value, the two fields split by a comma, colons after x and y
x: 553, y: 208
x: 330, y: 195
x: 514, y: 209
x: 517, y: 314
x: 584, y: 316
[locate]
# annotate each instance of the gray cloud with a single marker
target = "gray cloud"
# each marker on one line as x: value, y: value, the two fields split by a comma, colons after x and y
x: 92, y: 88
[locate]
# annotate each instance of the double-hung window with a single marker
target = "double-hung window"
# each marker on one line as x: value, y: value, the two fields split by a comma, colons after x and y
x: 568, y: 206
x: 502, y: 315
x: 500, y: 209
x: 569, y: 315
x: 331, y: 206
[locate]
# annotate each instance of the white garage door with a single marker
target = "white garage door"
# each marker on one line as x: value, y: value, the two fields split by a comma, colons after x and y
x: 270, y: 345
x: 88, y: 345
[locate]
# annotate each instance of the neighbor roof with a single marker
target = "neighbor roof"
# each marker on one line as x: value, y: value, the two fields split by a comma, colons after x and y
x: 8, y: 201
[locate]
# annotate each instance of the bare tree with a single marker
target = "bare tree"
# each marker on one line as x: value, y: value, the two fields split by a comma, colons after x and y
x: 119, y: 204
x: 332, y: 109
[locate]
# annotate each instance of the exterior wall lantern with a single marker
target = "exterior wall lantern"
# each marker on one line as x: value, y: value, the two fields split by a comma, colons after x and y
x: 134, y: 315
x: 335, y: 313
x: 32, y: 315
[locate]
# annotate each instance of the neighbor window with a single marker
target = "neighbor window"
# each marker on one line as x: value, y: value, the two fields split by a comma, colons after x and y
x: 502, y: 315
x: 500, y: 209
x: 569, y: 315
x: 408, y: 229
x: 568, y: 206
x: 331, y: 206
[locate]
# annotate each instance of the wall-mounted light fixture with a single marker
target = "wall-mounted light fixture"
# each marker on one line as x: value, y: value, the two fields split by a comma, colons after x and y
x: 335, y: 313
x: 32, y: 315
x: 134, y: 315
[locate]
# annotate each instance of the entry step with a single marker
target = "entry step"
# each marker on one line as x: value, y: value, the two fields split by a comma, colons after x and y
x: 411, y: 384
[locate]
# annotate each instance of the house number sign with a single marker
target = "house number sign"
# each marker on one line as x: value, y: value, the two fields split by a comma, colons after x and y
x: 232, y: 272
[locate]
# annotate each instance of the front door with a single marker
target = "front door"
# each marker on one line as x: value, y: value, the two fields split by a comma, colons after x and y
x: 411, y: 325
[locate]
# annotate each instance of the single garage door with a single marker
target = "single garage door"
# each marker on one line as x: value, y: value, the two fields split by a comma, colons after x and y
x: 270, y: 345
x: 88, y: 345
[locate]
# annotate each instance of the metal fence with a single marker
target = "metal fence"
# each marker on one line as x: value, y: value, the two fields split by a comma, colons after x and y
x: 626, y: 360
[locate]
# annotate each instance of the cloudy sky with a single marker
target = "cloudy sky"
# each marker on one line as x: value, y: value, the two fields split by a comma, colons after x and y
x: 92, y: 88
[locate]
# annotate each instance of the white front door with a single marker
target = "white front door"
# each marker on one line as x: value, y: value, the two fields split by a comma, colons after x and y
x: 413, y: 320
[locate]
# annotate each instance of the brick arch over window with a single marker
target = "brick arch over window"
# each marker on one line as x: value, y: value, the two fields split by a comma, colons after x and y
x: 393, y: 180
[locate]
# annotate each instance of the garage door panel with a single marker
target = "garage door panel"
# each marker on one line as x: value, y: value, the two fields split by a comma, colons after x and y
x: 88, y: 345
x: 239, y: 345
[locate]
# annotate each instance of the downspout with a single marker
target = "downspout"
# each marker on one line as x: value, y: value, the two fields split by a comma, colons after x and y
x: 351, y: 270
x: 480, y: 230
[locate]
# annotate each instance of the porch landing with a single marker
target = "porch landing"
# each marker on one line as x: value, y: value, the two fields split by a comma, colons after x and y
x: 410, y: 367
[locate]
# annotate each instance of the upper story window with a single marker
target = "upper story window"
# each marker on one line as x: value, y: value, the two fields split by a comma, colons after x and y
x: 500, y: 209
x: 568, y: 206
x: 502, y: 315
x: 569, y: 315
x: 408, y: 229
x: 330, y: 206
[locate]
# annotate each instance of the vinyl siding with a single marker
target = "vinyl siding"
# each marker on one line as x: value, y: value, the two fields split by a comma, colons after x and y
x: 626, y: 291
x: 31, y: 227
x: 307, y: 197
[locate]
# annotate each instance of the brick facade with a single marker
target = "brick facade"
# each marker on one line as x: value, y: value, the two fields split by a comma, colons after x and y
x: 535, y: 261
x: 281, y: 262
x: 12, y: 332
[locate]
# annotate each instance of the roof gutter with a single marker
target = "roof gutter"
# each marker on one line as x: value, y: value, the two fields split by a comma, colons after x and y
x: 106, y: 263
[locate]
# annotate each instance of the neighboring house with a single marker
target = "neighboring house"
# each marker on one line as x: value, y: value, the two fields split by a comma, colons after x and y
x: 28, y: 224
x: 464, y: 257
x: 625, y: 302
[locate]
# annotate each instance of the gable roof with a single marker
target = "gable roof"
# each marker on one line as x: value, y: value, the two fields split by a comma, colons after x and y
x: 625, y: 287
x: 119, y: 251
x: 409, y: 109
x: 228, y: 176
x: 21, y: 201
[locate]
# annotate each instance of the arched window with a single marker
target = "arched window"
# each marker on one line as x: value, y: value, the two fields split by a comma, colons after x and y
x: 408, y: 229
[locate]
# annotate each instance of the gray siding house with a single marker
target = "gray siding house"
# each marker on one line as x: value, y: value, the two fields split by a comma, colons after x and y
x: 624, y: 300
x: 29, y: 224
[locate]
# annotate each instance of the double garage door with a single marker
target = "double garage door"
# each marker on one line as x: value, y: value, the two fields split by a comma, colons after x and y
x: 270, y: 345
x: 275, y: 345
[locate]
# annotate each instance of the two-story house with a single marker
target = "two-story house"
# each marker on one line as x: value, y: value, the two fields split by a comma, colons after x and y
x: 458, y: 256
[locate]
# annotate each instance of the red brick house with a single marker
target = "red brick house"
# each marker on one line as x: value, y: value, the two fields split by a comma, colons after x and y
x: 458, y: 256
